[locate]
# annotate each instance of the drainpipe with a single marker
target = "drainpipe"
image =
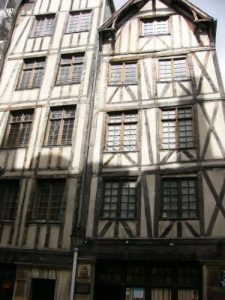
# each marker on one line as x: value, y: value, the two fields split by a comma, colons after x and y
x: 74, y: 270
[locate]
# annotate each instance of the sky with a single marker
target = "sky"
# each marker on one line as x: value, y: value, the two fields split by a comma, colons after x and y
x: 216, y: 9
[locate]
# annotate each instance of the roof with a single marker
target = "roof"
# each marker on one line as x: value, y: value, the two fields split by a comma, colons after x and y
x: 184, y: 7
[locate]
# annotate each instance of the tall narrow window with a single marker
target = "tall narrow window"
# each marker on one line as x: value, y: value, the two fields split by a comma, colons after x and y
x: 32, y: 73
x: 119, y: 199
x: 19, y: 128
x: 121, y: 132
x: 44, y: 25
x: 123, y: 73
x: 177, y: 128
x: 8, y: 196
x: 155, y: 26
x: 70, y: 69
x: 179, y: 198
x: 60, y: 126
x: 173, y: 69
x: 79, y: 21
x: 49, y: 200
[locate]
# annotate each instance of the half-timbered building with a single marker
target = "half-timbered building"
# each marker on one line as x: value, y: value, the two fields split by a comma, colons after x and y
x: 46, y: 95
x: 154, y: 212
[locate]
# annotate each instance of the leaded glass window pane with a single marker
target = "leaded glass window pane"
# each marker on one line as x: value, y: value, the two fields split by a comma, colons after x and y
x: 79, y: 21
x: 155, y: 26
x: 123, y: 72
x: 44, y: 25
x: 173, y: 69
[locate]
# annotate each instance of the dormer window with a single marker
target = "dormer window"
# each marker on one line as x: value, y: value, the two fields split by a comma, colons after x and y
x: 155, y: 26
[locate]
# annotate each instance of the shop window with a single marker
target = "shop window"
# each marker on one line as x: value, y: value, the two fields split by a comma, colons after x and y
x: 49, y: 200
x: 173, y: 69
x: 44, y: 26
x: 155, y: 26
x: 79, y: 21
x: 119, y: 199
x: 19, y: 128
x: 70, y: 69
x: 32, y: 73
x: 43, y: 289
x: 123, y: 72
x: 177, y: 130
x: 179, y: 198
x: 121, y: 132
x: 9, y: 192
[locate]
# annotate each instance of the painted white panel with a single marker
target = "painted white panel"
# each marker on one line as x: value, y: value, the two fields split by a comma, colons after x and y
x: 66, y: 4
x: 54, y: 5
x: 6, y: 234
x: 19, y: 158
x: 46, y: 42
x: 59, y: 29
x: 91, y: 210
x: 53, y: 238
x: 42, y: 236
x: 31, y: 234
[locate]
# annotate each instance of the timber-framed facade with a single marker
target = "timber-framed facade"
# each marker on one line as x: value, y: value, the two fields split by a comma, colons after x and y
x: 112, y: 153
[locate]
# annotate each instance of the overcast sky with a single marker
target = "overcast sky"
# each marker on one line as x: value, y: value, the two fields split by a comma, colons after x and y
x: 216, y: 9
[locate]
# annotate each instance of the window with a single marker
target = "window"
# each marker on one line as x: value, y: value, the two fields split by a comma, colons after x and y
x: 49, y: 200
x: 32, y: 73
x: 44, y: 25
x: 179, y: 198
x: 19, y: 128
x: 70, y: 69
x: 121, y: 132
x: 177, y: 128
x: 8, y: 191
x: 155, y: 26
x: 60, y: 126
x: 79, y: 21
x: 173, y: 69
x: 123, y: 73
x: 119, y: 199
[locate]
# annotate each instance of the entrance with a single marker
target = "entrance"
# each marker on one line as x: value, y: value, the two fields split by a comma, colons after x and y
x: 146, y: 281
x: 43, y: 289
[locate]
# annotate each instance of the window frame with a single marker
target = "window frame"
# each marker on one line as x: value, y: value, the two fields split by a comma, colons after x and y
x: 35, y: 213
x: 122, y: 130
x: 81, y: 59
x: 123, y: 73
x: 33, y: 69
x: 19, y: 130
x: 79, y: 13
x: 191, y: 177
x: 154, y: 20
x: 119, y: 202
x: 4, y: 209
x: 38, y: 18
x: 61, y: 126
x: 177, y: 119
x: 173, y: 77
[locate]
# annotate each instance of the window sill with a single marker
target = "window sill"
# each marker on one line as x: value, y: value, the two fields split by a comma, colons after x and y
x: 179, y: 149
x: 53, y: 146
x: 123, y: 84
x: 70, y: 83
x: 172, y: 80
x: 121, y: 151
x: 40, y: 36
x: 44, y: 222
x: 27, y: 88
x: 7, y: 221
x: 179, y: 219
x: 72, y: 32
x: 13, y: 147
x: 150, y: 35
x: 117, y: 219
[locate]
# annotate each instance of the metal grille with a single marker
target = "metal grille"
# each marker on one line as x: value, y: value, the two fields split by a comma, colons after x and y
x: 60, y: 126
x: 119, y: 199
x: 8, y: 196
x: 44, y: 25
x: 19, y: 128
x: 122, y: 132
x: 155, y: 26
x: 79, y: 21
x: 173, y: 69
x: 177, y: 128
x: 179, y: 198
x: 124, y: 72
x: 49, y: 200
x: 32, y: 73
x: 70, y: 69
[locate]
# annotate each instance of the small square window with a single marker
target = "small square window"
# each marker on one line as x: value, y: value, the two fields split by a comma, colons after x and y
x: 179, y: 198
x: 155, y: 26
x: 60, y: 126
x: 32, y: 73
x: 123, y: 73
x: 70, y: 69
x: 19, y: 129
x: 79, y: 21
x: 173, y: 69
x: 44, y: 26
x: 119, y: 199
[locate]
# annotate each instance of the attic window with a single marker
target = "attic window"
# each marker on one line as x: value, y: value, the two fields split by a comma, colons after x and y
x: 155, y: 26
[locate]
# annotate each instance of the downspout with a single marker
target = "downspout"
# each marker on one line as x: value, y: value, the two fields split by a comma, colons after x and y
x: 78, y: 231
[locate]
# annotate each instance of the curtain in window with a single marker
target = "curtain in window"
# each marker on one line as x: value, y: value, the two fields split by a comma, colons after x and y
x: 161, y: 294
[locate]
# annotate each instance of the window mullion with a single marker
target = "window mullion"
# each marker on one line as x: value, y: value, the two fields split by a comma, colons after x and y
x: 119, y: 200
x: 48, y: 214
x: 32, y: 75
x: 179, y: 200
x: 177, y: 128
